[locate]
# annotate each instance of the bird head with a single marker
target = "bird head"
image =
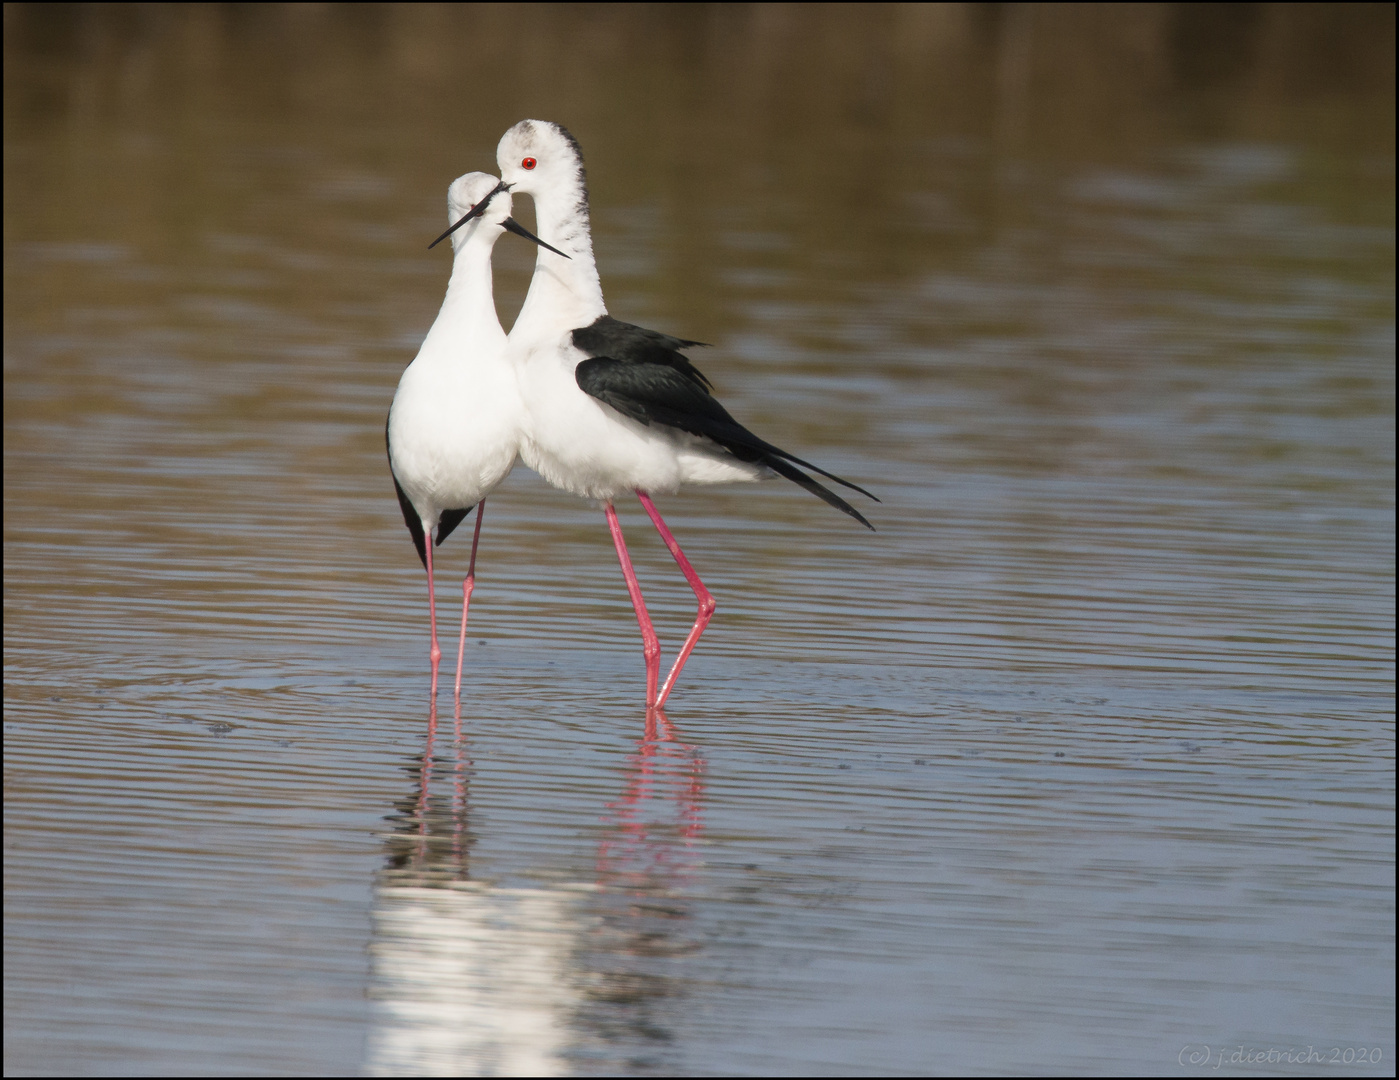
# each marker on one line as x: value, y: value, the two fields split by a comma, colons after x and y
x: 475, y: 195
x: 539, y: 156
x: 481, y: 196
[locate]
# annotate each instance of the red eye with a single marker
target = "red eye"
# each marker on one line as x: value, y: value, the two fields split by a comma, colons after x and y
x: 528, y: 163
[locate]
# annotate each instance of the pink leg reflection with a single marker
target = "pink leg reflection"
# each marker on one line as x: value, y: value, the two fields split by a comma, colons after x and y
x: 648, y: 850
x: 425, y: 778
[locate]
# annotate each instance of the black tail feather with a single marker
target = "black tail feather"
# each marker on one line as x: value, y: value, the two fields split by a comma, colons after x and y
x: 449, y: 520
x: 825, y: 494
x: 777, y: 452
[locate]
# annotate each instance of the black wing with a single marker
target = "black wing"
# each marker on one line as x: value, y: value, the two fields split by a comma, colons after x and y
x: 643, y: 376
x: 637, y: 345
x: 449, y: 520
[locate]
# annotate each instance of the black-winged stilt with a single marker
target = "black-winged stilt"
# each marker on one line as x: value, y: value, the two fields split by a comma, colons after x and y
x: 612, y: 407
x: 453, y: 431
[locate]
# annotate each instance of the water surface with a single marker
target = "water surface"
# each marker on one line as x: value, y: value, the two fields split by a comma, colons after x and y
x: 1082, y: 763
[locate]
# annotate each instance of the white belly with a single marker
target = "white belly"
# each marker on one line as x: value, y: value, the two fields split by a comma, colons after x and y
x: 453, y: 436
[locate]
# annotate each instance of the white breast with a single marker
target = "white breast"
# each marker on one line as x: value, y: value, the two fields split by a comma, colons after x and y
x: 454, y: 431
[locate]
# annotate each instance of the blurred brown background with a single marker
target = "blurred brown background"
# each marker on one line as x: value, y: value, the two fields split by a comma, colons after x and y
x: 826, y: 114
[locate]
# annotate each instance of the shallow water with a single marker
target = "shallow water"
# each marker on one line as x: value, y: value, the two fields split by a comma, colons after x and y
x: 1082, y: 762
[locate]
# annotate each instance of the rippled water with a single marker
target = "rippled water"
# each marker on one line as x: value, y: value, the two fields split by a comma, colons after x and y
x: 1082, y: 762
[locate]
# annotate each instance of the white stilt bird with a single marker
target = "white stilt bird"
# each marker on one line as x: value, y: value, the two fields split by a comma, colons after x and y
x: 453, y: 431
x: 613, y: 407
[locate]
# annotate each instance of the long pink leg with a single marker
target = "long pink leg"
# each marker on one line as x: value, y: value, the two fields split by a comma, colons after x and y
x: 650, y: 644
x: 706, y: 601
x: 434, y: 654
x: 466, y: 587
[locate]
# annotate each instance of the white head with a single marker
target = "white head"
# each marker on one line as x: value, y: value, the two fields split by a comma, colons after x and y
x: 464, y: 196
x: 542, y: 159
x: 539, y: 158
x: 465, y: 192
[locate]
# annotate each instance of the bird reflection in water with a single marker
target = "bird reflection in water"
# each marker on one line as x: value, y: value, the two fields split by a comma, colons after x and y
x: 640, y: 934
x: 431, y: 841
x: 470, y: 978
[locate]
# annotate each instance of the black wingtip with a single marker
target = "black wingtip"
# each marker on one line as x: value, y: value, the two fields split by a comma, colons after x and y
x: 411, y: 519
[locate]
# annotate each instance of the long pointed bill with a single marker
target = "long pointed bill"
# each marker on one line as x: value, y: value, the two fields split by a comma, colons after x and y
x: 519, y: 230
x: 474, y: 212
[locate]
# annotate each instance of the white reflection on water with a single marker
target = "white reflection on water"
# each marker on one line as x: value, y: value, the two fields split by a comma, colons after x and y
x: 472, y: 980
x: 475, y: 978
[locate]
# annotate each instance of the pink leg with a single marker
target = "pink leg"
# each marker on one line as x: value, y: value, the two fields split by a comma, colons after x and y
x: 434, y: 654
x: 706, y: 601
x: 650, y: 644
x: 466, y: 587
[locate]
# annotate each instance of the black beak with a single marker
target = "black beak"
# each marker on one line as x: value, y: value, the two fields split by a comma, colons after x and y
x: 519, y: 230
x: 475, y: 211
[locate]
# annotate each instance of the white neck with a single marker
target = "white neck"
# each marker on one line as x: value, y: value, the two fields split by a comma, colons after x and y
x: 564, y: 294
x: 468, y: 310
